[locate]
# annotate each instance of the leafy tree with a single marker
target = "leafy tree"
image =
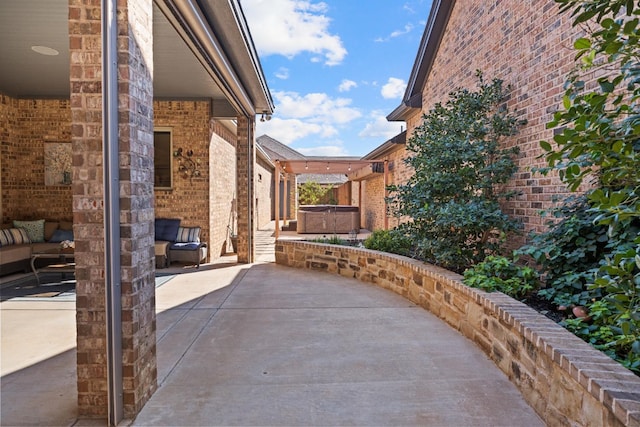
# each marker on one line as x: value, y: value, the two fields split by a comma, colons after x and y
x: 453, y: 197
x: 599, y: 141
x: 311, y: 193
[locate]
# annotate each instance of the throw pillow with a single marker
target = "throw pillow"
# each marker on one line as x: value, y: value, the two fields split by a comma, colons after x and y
x: 34, y: 229
x: 13, y: 236
x: 167, y: 229
x: 188, y: 235
x: 61, y: 236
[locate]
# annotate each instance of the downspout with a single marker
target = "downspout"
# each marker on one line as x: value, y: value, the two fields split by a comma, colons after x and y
x: 110, y: 147
x: 251, y: 190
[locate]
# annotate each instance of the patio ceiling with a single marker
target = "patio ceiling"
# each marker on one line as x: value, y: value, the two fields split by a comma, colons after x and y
x: 179, y: 73
x: 324, y: 166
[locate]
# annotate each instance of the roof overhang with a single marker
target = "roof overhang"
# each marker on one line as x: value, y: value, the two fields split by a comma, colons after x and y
x: 429, y: 44
x: 202, y: 50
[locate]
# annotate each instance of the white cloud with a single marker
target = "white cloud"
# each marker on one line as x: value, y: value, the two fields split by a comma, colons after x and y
x: 311, y: 115
x: 397, y: 33
x: 346, y: 85
x: 290, y: 130
x: 315, y: 107
x: 324, y: 150
x: 282, y: 73
x: 379, y: 127
x: 394, y: 88
x: 290, y: 27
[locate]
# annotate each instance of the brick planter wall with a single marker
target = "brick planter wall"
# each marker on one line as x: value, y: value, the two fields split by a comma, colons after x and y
x: 565, y: 380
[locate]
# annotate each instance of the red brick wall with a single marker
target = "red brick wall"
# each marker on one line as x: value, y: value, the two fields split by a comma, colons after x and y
x: 26, y: 125
x: 222, y: 190
x: 527, y: 44
x: 373, y: 207
x: 189, y: 197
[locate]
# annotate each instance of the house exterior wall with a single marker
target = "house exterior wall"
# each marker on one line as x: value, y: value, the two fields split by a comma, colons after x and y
x: 528, y: 45
x: 264, y: 192
x: 373, y: 209
x: 26, y: 126
x: 222, y: 188
x: 189, y: 197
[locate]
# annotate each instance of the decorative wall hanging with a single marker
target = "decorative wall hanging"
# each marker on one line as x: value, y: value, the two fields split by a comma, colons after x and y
x: 57, y: 163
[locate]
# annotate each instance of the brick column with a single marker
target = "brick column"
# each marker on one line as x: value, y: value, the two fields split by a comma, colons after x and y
x: 135, y: 89
x: 246, y: 153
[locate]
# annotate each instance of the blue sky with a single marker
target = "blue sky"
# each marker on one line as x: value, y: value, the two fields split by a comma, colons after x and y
x: 335, y: 69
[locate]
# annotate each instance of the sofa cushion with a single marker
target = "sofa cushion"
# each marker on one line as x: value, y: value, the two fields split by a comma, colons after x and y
x: 61, y: 236
x: 34, y: 229
x: 66, y: 225
x: 185, y: 246
x: 167, y: 229
x: 49, y: 228
x: 14, y: 236
x: 188, y: 235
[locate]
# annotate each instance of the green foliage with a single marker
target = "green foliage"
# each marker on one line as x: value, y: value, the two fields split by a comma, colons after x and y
x: 497, y: 273
x: 333, y: 240
x: 392, y: 241
x: 311, y: 193
x: 569, y: 253
x: 452, y: 197
x: 598, y: 141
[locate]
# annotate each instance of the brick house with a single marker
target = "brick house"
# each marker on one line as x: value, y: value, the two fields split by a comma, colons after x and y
x: 526, y: 44
x: 183, y: 69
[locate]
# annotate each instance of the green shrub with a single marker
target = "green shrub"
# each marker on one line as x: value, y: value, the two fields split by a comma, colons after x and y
x: 392, y: 241
x: 453, y: 197
x: 333, y: 240
x: 498, y: 273
x: 569, y: 253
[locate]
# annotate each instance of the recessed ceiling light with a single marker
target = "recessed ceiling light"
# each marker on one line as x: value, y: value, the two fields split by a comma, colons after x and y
x: 44, y: 50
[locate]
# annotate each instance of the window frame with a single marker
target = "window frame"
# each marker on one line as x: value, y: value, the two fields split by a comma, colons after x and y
x: 169, y: 153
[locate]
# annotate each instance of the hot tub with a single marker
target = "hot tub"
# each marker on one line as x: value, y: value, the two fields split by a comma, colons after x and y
x: 324, y: 219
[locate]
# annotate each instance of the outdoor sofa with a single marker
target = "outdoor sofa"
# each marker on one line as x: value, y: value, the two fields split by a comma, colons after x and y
x: 175, y: 243
x: 20, y: 239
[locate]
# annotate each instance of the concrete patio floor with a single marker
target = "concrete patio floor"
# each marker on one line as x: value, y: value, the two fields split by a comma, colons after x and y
x: 263, y: 344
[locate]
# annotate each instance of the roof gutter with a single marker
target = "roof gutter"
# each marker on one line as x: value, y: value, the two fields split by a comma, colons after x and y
x: 241, y: 21
x: 193, y: 27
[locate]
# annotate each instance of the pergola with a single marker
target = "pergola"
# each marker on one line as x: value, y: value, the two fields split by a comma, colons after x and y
x: 356, y: 168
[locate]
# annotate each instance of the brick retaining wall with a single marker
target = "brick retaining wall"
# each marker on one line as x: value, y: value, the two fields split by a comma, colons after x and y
x: 565, y: 380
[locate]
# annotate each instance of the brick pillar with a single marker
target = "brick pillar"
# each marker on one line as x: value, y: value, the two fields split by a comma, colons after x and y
x: 246, y: 153
x: 135, y: 89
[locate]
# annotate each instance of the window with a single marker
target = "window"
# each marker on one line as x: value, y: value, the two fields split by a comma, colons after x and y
x: 162, y: 158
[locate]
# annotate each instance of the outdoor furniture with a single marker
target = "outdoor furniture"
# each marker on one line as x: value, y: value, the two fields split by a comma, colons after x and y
x: 61, y: 260
x: 176, y: 243
x: 323, y: 219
